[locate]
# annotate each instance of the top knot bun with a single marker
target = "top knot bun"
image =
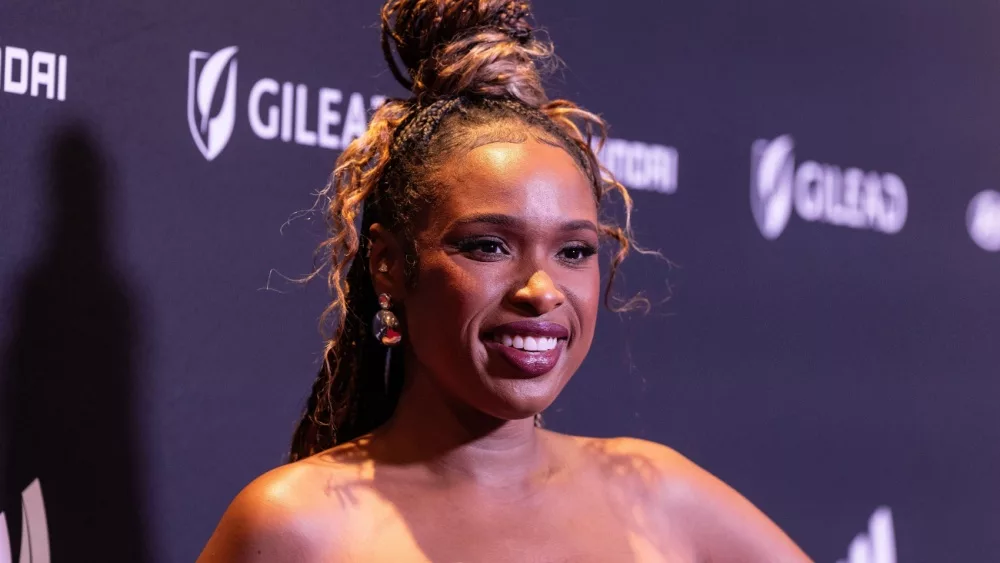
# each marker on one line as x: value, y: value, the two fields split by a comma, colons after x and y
x: 456, y: 47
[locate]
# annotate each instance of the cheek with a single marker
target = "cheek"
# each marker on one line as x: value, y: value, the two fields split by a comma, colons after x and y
x: 585, y: 295
x: 446, y: 303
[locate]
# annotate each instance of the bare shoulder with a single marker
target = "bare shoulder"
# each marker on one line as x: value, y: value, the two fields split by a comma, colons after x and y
x: 722, y: 524
x: 291, y: 513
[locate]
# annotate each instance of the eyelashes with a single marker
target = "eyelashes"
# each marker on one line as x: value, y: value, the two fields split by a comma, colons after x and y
x: 582, y: 251
x: 492, y: 249
x: 482, y: 246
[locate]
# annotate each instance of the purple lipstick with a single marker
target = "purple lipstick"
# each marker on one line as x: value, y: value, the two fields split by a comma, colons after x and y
x: 533, y: 347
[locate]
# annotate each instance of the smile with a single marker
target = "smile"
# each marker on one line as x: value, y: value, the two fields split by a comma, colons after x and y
x: 533, y: 347
x: 527, y: 343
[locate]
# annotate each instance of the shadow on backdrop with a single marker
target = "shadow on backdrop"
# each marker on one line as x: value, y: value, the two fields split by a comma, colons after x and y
x: 68, y: 380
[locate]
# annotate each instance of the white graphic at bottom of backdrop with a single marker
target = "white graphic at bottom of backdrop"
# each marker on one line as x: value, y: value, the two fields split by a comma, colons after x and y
x: 34, y: 528
x: 878, y: 545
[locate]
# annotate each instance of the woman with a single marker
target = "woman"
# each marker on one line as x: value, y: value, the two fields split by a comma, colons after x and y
x: 475, y: 259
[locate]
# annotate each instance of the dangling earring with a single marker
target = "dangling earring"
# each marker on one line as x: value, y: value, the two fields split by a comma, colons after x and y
x: 385, y: 324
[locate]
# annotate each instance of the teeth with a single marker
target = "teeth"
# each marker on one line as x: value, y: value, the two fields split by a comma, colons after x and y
x: 529, y: 343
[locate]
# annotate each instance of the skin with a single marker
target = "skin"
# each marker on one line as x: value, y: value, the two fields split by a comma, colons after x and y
x: 460, y: 473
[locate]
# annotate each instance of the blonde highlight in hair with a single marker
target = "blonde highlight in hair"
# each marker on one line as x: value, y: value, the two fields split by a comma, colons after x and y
x: 470, y: 65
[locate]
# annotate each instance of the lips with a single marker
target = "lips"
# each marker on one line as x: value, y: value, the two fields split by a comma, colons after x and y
x: 532, y: 347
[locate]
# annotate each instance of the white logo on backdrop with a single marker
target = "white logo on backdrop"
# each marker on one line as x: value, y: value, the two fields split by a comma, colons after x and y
x: 641, y: 166
x: 825, y: 193
x: 983, y: 220
x: 878, y: 545
x: 211, y: 132
x: 33, y: 74
x: 773, y: 166
x: 275, y: 110
x: 282, y: 111
x: 34, y: 528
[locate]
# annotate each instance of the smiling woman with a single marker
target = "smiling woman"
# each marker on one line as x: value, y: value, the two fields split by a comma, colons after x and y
x: 476, y: 258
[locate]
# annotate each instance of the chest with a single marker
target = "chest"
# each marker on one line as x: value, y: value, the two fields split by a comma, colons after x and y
x: 571, y: 527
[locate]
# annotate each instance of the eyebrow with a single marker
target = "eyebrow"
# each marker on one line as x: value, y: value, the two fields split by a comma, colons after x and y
x: 508, y: 221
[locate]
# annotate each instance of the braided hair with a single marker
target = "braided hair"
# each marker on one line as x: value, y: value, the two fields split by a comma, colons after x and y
x: 474, y: 70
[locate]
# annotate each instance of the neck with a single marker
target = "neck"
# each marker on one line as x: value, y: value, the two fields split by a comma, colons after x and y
x: 457, y: 443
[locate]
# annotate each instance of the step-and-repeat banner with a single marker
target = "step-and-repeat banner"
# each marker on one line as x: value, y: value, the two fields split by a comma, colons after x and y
x: 824, y: 178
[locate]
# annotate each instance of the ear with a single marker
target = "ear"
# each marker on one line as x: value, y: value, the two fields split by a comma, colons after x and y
x: 385, y: 248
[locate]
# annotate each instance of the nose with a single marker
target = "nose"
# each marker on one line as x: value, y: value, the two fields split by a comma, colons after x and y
x: 539, y: 294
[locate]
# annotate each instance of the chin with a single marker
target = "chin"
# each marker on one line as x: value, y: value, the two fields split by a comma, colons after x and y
x: 519, y: 399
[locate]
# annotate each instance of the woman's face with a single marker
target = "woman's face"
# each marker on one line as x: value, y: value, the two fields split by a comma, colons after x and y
x: 507, y: 263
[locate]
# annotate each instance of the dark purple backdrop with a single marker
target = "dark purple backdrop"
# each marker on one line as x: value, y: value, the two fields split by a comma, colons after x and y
x: 154, y: 362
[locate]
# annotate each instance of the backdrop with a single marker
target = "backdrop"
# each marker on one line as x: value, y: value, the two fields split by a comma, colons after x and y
x: 823, y: 176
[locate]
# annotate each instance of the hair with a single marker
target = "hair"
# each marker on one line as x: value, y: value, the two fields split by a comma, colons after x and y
x: 474, y: 69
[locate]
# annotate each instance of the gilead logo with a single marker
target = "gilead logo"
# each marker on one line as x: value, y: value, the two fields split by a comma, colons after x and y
x: 878, y: 545
x: 772, y: 171
x: 848, y: 197
x: 276, y: 110
x: 34, y: 529
x: 205, y: 76
x: 37, y: 74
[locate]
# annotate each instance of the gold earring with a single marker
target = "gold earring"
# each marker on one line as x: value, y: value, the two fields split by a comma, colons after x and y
x: 383, y: 267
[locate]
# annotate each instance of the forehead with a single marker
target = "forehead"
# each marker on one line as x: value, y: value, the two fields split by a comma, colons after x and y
x: 532, y: 180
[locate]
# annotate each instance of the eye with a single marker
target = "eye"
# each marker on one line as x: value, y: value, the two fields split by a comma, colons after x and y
x: 578, y: 252
x: 484, y: 248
